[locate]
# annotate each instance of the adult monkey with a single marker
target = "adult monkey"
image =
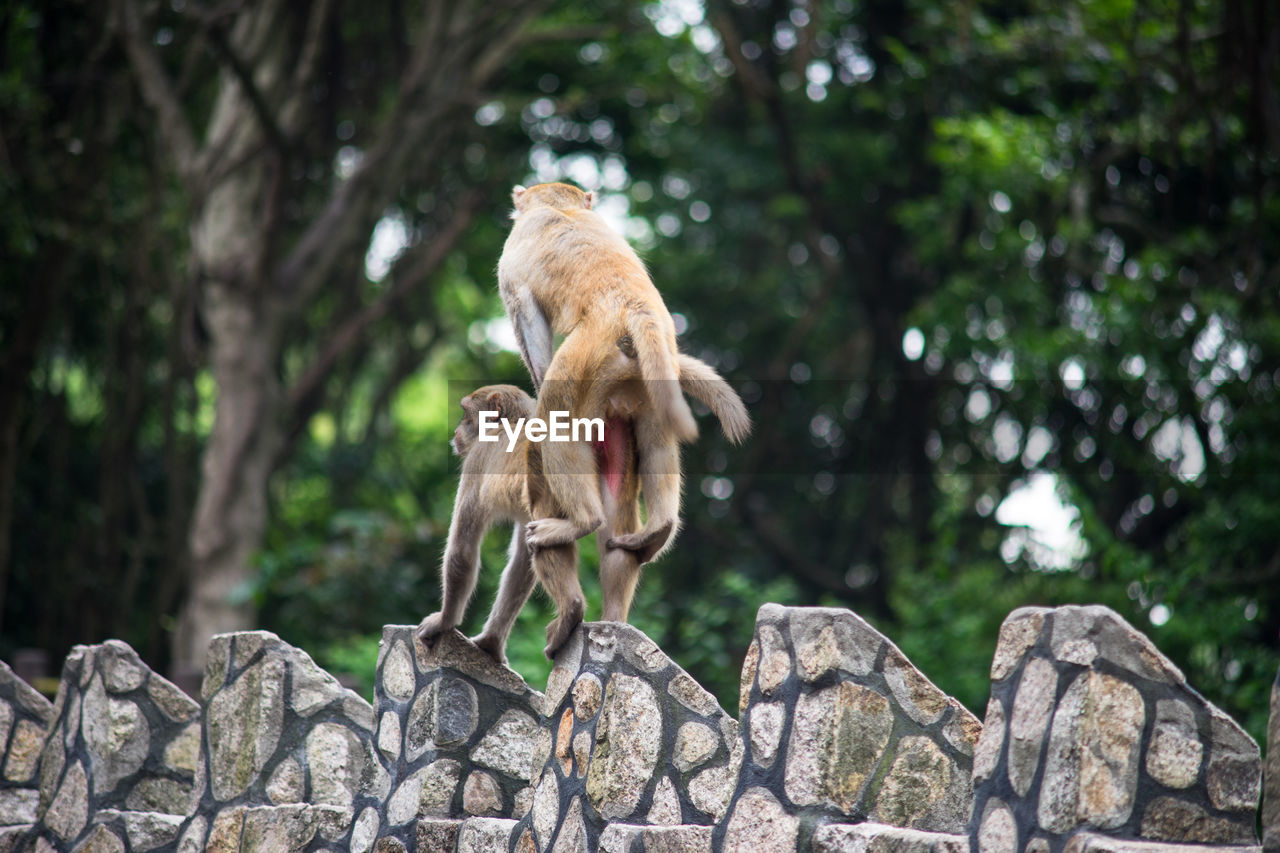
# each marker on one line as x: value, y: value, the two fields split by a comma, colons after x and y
x: 496, y: 485
x: 564, y: 271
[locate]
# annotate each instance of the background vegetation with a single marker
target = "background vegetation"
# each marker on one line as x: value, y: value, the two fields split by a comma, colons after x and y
x: 948, y: 251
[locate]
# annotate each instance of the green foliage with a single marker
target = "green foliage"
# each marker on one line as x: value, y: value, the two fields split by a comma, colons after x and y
x: 1067, y: 208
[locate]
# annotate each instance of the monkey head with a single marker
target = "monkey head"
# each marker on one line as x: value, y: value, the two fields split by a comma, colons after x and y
x: 507, y: 400
x: 559, y: 196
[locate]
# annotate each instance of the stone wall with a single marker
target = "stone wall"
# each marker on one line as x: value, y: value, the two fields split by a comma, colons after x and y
x: 1093, y: 743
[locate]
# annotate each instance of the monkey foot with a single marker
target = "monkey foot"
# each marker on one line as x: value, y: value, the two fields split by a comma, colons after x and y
x: 494, y: 647
x: 561, y: 627
x: 645, y: 545
x: 432, y: 627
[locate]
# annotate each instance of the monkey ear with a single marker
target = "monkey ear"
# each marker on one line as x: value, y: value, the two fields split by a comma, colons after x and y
x: 494, y: 403
x: 591, y: 199
x: 517, y: 194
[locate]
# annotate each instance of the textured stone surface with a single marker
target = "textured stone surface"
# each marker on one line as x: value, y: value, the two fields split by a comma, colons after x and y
x: 1130, y: 748
x: 880, y: 838
x: 923, y: 788
x: 998, y: 830
x: 766, y: 722
x: 1123, y: 646
x: 572, y: 836
x: 69, y: 810
x: 621, y: 838
x: 760, y: 824
x: 665, y: 810
x: 1087, y: 727
x: 1092, y: 842
x: 855, y: 727
x: 546, y: 807
x: 627, y: 741
x: 1092, y: 765
x: 288, y: 748
x: 481, y: 794
x: 119, y: 740
x: 457, y: 735
x: 1169, y: 819
x: 508, y: 746
x: 427, y: 792
x: 587, y: 695
x: 1030, y: 719
x: 437, y: 835
x: 244, y: 722
x: 696, y: 742
x: 483, y: 835
x: 1175, y: 753
x: 991, y: 743
x: 1018, y: 634
x: 18, y: 806
x: 1235, y: 767
x: 775, y: 660
x: 838, y: 736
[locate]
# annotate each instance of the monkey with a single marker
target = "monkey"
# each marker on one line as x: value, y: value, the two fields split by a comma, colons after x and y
x: 496, y: 485
x: 564, y: 271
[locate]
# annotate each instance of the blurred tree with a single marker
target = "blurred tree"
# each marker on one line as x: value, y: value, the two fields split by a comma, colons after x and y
x: 949, y: 253
x: 267, y: 238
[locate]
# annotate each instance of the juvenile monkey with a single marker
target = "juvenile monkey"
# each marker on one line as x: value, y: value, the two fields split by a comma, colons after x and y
x: 499, y: 486
x: 565, y: 271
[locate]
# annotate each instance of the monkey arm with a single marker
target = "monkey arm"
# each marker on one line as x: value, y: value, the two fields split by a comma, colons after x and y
x: 513, y: 591
x: 461, y: 562
x: 533, y: 334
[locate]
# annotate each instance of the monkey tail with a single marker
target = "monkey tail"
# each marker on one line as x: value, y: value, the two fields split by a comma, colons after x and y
x: 701, y: 382
x: 661, y: 375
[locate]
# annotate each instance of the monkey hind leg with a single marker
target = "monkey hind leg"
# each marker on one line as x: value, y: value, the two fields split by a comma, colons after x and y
x: 643, y: 545
x: 659, y: 470
x: 557, y: 569
x: 619, y: 575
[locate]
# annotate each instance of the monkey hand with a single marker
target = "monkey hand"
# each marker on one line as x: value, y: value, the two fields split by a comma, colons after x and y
x: 552, y: 532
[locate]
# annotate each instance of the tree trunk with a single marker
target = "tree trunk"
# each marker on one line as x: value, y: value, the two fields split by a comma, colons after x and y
x: 230, y: 240
x: 231, y: 506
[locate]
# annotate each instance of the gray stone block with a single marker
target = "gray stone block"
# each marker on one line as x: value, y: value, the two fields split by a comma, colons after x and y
x: 1089, y: 726
x: 838, y: 721
x: 279, y: 733
x: 638, y: 838
x: 25, y: 716
x: 457, y: 733
x: 880, y: 838
x: 121, y: 739
x: 1092, y: 842
x: 626, y: 737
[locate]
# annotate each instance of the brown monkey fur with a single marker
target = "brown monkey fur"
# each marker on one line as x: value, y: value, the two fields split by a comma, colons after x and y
x: 496, y: 485
x: 565, y: 271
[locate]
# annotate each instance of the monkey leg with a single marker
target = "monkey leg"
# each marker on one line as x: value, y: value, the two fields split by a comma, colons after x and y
x: 460, y: 568
x: 620, y: 568
x: 517, y: 583
x: 659, y: 468
x: 567, y: 468
x: 557, y: 569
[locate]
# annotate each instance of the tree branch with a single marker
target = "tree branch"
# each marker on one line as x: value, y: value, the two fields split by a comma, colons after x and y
x: 261, y: 109
x: 157, y: 91
x: 410, y: 271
